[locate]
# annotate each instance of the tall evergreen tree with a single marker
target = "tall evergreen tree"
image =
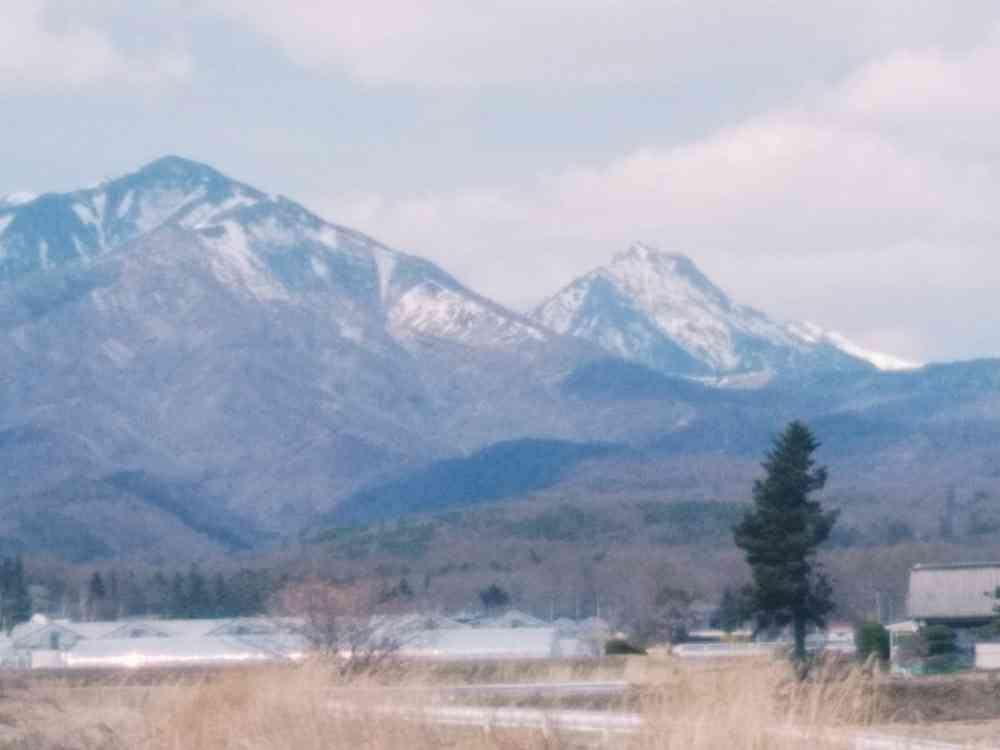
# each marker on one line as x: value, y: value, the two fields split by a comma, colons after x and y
x: 494, y: 597
x: 221, y: 601
x: 159, y: 597
x: 114, y: 596
x: 199, y: 601
x: 96, y: 588
x: 780, y: 536
x: 731, y: 611
x: 177, y: 603
x: 15, y: 599
x: 97, y: 594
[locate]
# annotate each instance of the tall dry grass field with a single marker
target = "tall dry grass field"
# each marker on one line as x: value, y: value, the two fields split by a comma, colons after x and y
x: 756, y: 705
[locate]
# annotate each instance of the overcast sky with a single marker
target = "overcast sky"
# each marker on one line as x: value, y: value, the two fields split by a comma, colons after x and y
x: 832, y: 162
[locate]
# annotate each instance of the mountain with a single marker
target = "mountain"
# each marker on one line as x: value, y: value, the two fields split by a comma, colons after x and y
x: 180, y: 323
x: 660, y: 310
x: 195, y: 366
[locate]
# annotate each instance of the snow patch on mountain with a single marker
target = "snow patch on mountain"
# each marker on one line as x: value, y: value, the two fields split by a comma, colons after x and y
x: 429, y: 309
x: 385, y: 264
x: 155, y: 208
x: 18, y: 198
x: 814, y: 334
x: 84, y: 213
x: 236, y: 266
x: 125, y: 205
x: 320, y: 268
x: 208, y: 213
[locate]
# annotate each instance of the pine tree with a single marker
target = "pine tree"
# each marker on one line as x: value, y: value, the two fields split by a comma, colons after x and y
x: 159, y: 595
x: 494, y: 597
x: 780, y: 536
x: 21, y: 606
x: 730, y: 611
x: 113, y: 610
x: 404, y: 589
x: 199, y: 603
x: 221, y: 601
x: 177, y: 603
x: 96, y: 588
x: 97, y: 593
x: 15, y: 599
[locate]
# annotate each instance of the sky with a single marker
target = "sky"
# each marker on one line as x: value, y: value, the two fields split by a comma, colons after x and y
x: 831, y: 162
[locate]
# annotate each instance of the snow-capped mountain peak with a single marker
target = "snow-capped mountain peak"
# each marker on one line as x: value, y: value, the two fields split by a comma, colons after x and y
x: 261, y: 247
x: 659, y: 309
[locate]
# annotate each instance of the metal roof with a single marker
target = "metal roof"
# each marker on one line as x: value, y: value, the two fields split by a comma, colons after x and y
x: 472, y: 643
x: 136, y: 652
x: 955, y: 566
x: 960, y: 591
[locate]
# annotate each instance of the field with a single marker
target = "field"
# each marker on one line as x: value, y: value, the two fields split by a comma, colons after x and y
x: 755, y: 705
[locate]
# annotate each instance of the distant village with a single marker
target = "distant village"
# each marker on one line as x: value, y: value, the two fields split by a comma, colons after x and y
x: 954, y: 608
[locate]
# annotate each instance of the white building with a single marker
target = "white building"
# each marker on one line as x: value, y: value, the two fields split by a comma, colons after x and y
x: 60, y: 644
x: 50, y: 644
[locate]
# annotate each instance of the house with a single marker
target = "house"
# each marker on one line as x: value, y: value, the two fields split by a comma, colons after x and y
x: 960, y: 595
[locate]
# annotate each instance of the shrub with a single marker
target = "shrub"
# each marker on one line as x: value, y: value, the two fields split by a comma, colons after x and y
x: 621, y: 647
x: 872, y: 638
x: 939, y: 640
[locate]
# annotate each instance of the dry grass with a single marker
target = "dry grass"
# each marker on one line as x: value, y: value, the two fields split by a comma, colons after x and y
x: 694, y: 707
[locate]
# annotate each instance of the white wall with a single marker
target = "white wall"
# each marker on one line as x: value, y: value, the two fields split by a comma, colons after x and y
x: 988, y: 656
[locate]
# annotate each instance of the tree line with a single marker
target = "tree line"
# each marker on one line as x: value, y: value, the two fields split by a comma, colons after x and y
x: 113, y: 594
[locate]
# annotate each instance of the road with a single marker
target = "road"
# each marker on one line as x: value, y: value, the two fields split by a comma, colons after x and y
x: 605, y: 723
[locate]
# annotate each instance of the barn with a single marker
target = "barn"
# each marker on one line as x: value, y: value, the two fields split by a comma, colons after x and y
x: 960, y: 595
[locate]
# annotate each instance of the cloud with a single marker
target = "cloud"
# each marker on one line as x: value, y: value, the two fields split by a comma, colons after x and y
x: 930, y: 98
x: 45, y: 46
x: 593, y: 42
x: 870, y: 198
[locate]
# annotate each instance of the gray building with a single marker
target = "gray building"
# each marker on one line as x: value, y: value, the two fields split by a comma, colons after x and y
x: 961, y: 595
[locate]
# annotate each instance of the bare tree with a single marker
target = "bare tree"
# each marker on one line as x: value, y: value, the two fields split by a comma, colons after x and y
x: 341, y: 623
